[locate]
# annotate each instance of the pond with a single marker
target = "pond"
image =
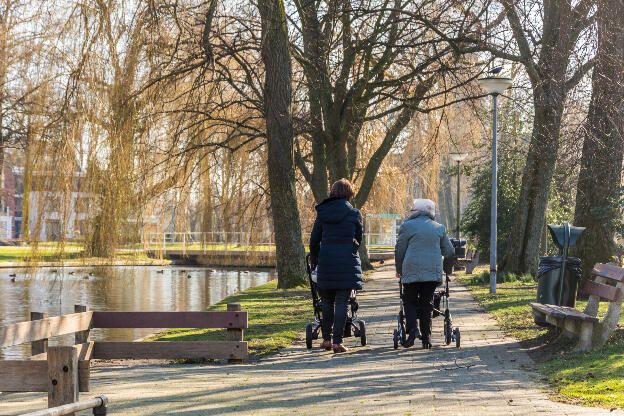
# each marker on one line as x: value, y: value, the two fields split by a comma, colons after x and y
x: 140, y: 288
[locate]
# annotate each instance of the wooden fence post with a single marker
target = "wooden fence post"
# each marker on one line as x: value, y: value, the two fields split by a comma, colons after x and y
x: 40, y: 346
x: 81, y: 336
x: 62, y: 376
x: 101, y: 410
x: 234, y: 334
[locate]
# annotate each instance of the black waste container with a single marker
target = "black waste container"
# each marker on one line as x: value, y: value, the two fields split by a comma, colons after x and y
x: 460, y: 249
x: 549, y: 290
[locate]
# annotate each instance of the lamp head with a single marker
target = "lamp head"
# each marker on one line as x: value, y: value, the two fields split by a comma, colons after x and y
x: 458, y: 157
x: 495, y: 85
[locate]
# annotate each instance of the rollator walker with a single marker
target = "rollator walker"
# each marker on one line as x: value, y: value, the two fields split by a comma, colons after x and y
x: 353, y: 327
x: 440, y: 301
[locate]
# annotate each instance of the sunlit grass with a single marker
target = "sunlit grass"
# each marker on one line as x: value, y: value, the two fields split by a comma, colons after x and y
x: 25, y: 254
x: 275, y: 318
x: 52, y: 253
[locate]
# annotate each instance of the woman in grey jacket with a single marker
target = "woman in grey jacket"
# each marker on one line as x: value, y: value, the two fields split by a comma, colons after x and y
x: 418, y: 255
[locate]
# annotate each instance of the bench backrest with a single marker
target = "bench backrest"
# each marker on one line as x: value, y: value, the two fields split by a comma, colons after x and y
x: 605, y: 271
x: 42, y: 329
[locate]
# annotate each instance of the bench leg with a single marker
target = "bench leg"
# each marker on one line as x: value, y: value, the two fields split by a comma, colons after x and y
x: 585, y: 336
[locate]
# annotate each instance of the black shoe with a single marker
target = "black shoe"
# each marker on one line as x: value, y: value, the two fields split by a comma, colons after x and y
x: 409, y: 342
x: 426, y: 344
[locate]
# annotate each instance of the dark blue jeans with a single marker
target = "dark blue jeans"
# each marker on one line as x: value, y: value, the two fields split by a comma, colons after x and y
x: 335, y: 304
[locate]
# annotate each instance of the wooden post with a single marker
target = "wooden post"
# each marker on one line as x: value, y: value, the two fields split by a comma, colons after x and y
x: 81, y: 336
x: 234, y: 334
x: 101, y: 410
x: 62, y: 376
x: 40, y: 346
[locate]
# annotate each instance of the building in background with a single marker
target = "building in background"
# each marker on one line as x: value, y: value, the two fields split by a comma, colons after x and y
x: 10, y: 203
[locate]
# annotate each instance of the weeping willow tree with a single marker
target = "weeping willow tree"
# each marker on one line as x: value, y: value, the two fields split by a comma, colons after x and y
x: 112, y: 168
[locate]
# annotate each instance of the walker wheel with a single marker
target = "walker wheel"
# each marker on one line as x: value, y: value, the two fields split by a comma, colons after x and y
x: 309, y: 336
x: 362, y: 331
x: 448, y: 328
x: 457, y: 337
x: 403, y: 334
x: 396, y: 339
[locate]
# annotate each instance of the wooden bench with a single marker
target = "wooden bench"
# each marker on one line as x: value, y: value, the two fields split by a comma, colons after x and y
x: 470, y: 262
x: 64, y: 371
x: 586, y: 326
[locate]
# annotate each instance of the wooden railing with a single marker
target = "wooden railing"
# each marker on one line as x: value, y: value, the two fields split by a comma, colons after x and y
x: 98, y: 404
x: 64, y: 371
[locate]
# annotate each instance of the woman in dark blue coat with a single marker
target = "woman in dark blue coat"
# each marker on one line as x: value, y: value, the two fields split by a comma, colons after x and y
x: 334, y: 243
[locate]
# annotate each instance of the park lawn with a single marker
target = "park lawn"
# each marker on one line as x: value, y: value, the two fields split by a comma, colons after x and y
x: 19, y: 253
x: 73, y: 252
x: 594, y: 378
x: 275, y: 318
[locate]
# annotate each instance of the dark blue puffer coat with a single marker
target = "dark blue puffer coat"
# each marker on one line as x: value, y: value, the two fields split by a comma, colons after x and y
x: 335, y: 239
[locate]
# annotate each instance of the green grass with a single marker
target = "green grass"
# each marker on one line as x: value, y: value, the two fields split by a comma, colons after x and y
x: 595, y: 378
x: 50, y: 253
x: 275, y: 318
x: 18, y: 254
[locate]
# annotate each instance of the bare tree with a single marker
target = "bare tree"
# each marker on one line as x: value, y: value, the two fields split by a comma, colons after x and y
x: 546, y: 49
x: 123, y: 46
x: 603, y: 145
x: 280, y: 134
x: 357, y: 64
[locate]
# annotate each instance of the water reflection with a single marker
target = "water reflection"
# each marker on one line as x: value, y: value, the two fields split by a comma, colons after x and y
x: 115, y: 288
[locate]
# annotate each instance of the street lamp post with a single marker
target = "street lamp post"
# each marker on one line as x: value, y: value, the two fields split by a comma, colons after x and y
x: 494, y: 86
x: 458, y: 157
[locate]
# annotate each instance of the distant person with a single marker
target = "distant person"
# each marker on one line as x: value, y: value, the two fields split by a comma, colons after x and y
x: 334, y: 243
x: 421, y: 243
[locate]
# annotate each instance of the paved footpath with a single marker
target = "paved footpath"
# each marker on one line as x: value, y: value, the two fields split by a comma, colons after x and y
x: 489, y: 375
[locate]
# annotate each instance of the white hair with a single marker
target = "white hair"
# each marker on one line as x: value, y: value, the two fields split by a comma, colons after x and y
x: 424, y: 205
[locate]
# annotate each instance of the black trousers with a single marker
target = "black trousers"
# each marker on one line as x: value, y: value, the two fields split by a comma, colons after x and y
x: 335, y: 304
x: 418, y: 303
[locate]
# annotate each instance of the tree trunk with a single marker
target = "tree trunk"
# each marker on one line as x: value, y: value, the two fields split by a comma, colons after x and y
x: 523, y: 254
x: 364, y: 259
x: 280, y: 139
x: 603, y: 146
x: 562, y: 26
x: 206, y: 221
x: 337, y: 160
x: 2, y: 190
x: 25, y: 231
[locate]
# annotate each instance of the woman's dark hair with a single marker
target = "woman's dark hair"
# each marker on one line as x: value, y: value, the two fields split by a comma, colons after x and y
x: 342, y: 189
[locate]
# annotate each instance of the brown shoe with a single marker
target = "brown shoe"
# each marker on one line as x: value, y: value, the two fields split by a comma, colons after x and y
x: 339, y: 348
x: 326, y: 345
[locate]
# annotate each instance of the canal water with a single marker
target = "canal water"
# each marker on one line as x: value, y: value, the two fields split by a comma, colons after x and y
x: 151, y: 288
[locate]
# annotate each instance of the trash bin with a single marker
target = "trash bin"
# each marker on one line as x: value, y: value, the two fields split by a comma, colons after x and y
x: 557, y: 286
x: 460, y: 249
x: 549, y: 283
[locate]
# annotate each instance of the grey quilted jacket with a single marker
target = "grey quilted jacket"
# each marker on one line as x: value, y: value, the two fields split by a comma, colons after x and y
x: 419, y: 249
